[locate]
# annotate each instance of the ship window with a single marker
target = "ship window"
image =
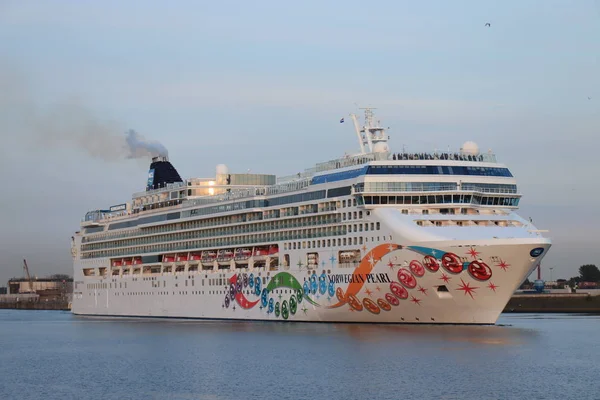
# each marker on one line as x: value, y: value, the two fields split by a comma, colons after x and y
x: 344, y: 203
x: 354, y: 202
x: 378, y: 226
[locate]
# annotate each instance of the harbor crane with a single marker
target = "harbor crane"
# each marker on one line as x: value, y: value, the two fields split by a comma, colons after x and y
x: 28, y: 276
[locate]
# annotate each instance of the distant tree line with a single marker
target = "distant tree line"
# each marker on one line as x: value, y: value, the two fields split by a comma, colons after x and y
x: 587, y: 273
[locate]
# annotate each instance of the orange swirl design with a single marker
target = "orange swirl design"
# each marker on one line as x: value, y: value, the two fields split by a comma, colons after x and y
x: 364, y: 268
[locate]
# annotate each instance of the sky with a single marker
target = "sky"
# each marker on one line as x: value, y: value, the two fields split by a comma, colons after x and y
x: 262, y: 85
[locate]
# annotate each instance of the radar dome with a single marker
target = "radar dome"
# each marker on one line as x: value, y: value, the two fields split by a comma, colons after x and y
x: 222, y: 169
x: 470, y: 148
x: 381, y: 147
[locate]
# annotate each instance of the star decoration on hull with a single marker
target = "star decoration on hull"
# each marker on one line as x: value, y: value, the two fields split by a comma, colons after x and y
x: 304, y: 310
x: 503, y: 265
x: 473, y: 253
x: 372, y: 260
x: 378, y: 288
x: 467, y: 288
x: 445, y: 278
x: 391, y: 265
x: 422, y: 290
x: 493, y: 287
x: 368, y: 292
x: 415, y: 300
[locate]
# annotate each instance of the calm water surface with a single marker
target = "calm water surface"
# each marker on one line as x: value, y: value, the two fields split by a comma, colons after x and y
x: 54, y: 355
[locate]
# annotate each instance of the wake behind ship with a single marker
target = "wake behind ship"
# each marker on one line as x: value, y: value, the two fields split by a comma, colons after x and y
x: 377, y: 237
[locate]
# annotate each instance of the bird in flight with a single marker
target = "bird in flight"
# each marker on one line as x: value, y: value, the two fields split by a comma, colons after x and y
x: 488, y: 24
x: 589, y: 98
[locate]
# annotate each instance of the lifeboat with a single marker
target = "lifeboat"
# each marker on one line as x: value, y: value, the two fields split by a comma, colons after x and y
x: 168, y: 258
x: 260, y: 252
x: 273, y: 250
x: 117, y: 263
x: 224, y: 256
x: 137, y: 260
x: 208, y: 257
x: 128, y: 261
x: 181, y: 257
x: 197, y: 256
x: 242, y: 254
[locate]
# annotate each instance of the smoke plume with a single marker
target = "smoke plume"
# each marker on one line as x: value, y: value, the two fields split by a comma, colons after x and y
x: 66, y: 123
x: 139, y: 146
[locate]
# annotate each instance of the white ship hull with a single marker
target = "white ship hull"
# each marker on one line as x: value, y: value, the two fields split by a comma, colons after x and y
x: 372, y: 238
x: 383, y: 288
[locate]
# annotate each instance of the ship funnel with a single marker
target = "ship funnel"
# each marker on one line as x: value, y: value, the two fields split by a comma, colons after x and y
x: 161, y: 173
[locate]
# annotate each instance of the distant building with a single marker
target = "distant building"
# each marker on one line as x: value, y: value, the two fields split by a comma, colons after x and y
x: 40, y: 286
x: 3, y: 290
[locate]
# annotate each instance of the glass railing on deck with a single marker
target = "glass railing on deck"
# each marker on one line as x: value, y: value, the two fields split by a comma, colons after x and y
x: 483, y: 157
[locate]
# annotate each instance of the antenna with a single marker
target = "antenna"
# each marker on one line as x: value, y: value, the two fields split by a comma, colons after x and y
x: 357, y: 129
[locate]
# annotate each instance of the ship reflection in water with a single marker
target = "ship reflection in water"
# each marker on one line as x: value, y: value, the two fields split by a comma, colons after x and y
x: 166, y: 359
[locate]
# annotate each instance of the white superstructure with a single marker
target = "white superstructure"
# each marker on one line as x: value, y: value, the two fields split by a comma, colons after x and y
x: 376, y: 237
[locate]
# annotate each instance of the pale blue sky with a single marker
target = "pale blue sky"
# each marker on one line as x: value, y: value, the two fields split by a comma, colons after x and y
x: 262, y: 85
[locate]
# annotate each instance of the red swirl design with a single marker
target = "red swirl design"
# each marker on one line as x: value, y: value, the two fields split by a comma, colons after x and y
x: 384, y: 305
x: 406, y: 278
x: 354, y: 303
x: 398, y: 290
x: 451, y: 262
x: 393, y: 300
x: 480, y: 270
x: 431, y: 263
x: 339, y: 293
x: 371, y: 306
x: 417, y: 268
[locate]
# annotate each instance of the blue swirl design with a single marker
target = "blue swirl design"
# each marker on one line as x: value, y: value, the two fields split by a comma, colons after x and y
x: 306, y: 287
x: 257, y: 286
x: 251, y: 280
x: 271, y: 305
x: 264, y: 297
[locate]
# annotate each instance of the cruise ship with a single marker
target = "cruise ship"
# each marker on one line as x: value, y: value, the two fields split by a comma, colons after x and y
x: 374, y: 237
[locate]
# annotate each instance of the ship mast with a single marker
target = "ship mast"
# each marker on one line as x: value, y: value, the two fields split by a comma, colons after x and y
x: 372, y: 138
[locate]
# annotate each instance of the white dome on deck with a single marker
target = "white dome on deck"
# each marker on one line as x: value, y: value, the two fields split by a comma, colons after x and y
x: 222, y: 169
x: 381, y: 147
x: 470, y: 148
